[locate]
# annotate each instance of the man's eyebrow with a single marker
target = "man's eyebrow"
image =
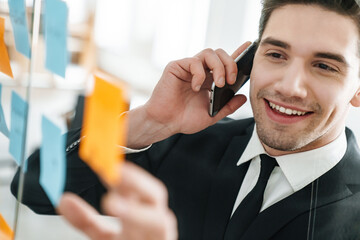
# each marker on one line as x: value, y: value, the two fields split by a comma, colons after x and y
x: 275, y: 42
x: 333, y: 56
x: 327, y: 55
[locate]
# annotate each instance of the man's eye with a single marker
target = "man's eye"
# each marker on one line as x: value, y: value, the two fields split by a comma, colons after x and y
x: 325, y: 67
x: 274, y: 55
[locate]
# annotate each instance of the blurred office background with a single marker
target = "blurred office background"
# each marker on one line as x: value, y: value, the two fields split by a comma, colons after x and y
x: 132, y: 40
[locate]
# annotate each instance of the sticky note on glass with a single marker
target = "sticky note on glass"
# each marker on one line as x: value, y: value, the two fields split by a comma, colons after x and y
x: 4, y: 59
x: 104, y: 129
x: 55, y: 22
x: 5, y: 231
x: 3, y: 126
x: 19, y: 112
x: 52, y: 161
x: 17, y: 12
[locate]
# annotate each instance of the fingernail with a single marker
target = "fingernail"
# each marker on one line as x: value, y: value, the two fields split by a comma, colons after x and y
x: 221, y: 81
x: 197, y: 88
x: 233, y: 78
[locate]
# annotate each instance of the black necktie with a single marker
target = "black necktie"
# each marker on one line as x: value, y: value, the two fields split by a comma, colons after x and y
x: 250, y: 206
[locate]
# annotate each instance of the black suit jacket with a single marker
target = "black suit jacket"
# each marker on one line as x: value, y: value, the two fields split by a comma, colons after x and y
x: 203, y: 181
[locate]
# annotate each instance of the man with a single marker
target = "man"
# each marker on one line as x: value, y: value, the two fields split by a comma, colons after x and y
x: 304, y: 79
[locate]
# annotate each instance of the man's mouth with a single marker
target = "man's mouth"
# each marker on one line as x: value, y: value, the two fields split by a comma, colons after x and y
x: 285, y: 114
x: 287, y: 111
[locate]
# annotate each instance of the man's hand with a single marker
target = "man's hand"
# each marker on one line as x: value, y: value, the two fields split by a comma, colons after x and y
x: 180, y: 101
x: 139, y: 201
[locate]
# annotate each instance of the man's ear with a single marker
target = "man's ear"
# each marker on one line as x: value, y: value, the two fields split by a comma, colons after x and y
x: 355, y: 101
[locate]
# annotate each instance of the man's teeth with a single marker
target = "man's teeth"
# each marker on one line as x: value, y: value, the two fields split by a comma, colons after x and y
x: 286, y: 110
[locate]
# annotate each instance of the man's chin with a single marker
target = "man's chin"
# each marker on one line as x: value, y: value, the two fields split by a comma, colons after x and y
x: 282, y: 146
x: 280, y: 142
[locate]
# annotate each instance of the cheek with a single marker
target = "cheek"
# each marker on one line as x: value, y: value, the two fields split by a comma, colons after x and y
x: 332, y: 92
x: 333, y: 101
x: 262, y: 76
x: 324, y: 95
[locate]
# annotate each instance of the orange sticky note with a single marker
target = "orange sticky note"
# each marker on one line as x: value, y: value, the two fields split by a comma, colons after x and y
x: 104, y: 129
x: 4, y: 56
x: 5, y: 231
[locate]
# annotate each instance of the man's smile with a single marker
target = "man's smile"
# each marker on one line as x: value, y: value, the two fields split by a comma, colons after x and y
x: 282, y: 114
x: 287, y: 111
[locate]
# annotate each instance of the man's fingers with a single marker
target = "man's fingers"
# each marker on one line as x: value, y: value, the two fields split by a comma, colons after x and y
x: 140, y: 201
x: 229, y: 64
x: 189, y: 69
x: 240, y: 49
x: 212, y: 61
x: 83, y: 217
x: 222, y: 67
x: 139, y: 219
x: 136, y: 182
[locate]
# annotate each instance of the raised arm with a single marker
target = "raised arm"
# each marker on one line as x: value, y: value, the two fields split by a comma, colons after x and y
x: 180, y: 100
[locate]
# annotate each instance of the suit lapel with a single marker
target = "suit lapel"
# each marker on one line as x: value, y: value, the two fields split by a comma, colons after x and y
x: 225, y: 187
x: 327, y: 189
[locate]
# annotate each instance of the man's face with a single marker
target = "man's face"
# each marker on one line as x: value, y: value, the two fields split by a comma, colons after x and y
x: 304, y: 78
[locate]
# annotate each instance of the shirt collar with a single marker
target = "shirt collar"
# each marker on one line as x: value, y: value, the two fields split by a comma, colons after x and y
x: 301, y: 168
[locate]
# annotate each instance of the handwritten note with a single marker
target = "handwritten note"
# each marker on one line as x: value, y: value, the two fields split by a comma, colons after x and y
x: 3, y: 126
x: 19, y: 23
x: 4, y: 60
x: 19, y: 112
x: 52, y: 161
x: 5, y: 231
x: 55, y: 21
x: 103, y: 129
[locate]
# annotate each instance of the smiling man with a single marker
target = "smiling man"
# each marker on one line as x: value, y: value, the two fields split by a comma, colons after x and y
x: 314, y: 65
x: 305, y: 76
x: 291, y: 172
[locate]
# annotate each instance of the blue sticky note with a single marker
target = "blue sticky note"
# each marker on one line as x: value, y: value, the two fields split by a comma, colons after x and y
x: 19, y: 113
x: 55, y: 22
x: 52, y: 161
x: 3, y: 126
x: 19, y: 23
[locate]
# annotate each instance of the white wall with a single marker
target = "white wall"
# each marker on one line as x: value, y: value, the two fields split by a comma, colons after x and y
x: 157, y: 31
x: 142, y: 36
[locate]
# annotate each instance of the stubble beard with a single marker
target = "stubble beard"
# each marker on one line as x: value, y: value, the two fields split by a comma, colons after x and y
x: 280, y: 138
x: 284, y: 138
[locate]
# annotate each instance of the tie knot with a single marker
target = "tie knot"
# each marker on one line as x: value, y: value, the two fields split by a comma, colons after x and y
x: 267, y: 165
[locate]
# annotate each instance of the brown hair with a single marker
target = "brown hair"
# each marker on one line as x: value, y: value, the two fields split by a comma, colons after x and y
x: 349, y: 8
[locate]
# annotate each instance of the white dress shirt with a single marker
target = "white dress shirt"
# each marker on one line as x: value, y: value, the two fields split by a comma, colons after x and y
x: 130, y: 150
x: 294, y: 172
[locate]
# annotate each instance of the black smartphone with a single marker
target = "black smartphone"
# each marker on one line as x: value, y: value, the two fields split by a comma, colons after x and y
x: 220, y: 96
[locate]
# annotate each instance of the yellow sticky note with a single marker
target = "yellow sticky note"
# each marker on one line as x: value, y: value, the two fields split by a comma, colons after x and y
x: 4, y: 56
x: 104, y: 128
x: 5, y: 231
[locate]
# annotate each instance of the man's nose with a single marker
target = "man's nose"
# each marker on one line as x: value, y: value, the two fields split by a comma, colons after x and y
x: 294, y: 80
